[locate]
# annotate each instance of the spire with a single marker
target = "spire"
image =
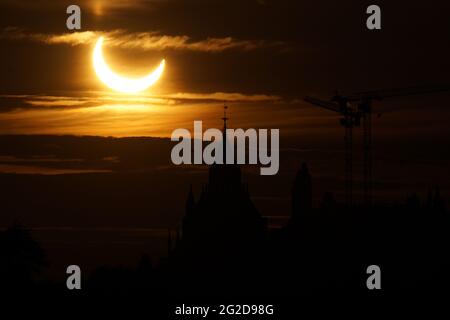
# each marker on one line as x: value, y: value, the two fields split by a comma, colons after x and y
x: 225, y: 119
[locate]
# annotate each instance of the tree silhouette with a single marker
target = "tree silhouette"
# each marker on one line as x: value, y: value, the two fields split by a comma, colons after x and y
x: 21, y: 259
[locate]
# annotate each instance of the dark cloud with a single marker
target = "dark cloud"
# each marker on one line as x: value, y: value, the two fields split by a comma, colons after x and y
x: 325, y: 46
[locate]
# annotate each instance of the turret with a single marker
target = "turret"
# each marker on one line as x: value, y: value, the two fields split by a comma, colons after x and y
x: 302, y: 192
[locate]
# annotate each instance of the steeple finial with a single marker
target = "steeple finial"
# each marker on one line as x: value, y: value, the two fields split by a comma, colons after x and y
x: 225, y: 119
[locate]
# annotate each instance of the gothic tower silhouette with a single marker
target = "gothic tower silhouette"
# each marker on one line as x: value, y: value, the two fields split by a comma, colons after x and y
x: 223, y: 219
x: 301, y: 193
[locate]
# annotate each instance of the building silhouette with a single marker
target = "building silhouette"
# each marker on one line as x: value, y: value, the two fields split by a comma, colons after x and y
x: 221, y: 230
x: 301, y: 193
x: 224, y: 217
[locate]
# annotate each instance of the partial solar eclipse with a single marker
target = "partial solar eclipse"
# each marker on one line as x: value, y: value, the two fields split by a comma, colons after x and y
x: 119, y: 83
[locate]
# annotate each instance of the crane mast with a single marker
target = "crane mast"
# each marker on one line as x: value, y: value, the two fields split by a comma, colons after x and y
x: 352, y: 118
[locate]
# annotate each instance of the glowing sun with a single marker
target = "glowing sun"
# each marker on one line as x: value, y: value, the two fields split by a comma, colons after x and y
x: 119, y: 83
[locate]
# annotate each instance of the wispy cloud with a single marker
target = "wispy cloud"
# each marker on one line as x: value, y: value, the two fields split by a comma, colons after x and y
x: 109, y: 114
x: 94, y: 99
x: 139, y: 40
x: 224, y: 96
x: 89, y: 4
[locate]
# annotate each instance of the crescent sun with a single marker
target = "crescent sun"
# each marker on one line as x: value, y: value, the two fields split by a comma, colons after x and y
x: 119, y: 83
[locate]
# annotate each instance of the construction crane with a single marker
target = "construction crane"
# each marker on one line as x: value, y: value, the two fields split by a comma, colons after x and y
x: 349, y: 119
x: 352, y: 117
